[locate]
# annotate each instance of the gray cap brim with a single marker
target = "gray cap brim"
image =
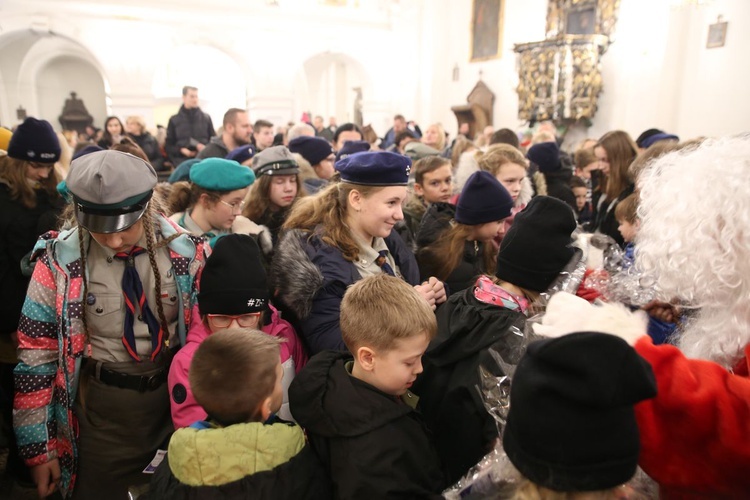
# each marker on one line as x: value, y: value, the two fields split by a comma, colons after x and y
x: 107, y: 224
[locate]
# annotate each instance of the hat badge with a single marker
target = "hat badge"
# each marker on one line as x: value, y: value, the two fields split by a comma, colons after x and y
x: 30, y: 154
x: 408, y: 170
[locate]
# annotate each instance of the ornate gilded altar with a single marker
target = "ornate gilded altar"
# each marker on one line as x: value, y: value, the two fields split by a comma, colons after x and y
x: 559, y: 78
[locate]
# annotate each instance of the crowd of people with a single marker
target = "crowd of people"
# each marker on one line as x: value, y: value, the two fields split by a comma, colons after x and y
x: 313, y: 313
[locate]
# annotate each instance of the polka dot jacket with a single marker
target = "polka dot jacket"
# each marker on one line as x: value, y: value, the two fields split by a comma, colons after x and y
x: 52, y: 343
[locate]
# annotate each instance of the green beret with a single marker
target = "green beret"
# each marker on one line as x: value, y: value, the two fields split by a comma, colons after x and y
x: 218, y: 174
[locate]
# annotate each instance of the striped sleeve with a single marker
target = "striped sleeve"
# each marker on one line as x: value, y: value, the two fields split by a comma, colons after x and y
x: 33, y: 414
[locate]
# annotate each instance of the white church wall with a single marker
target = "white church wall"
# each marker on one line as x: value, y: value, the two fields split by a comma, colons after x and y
x: 657, y: 72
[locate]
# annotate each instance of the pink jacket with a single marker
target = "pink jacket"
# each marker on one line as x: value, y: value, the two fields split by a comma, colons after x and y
x: 185, y: 410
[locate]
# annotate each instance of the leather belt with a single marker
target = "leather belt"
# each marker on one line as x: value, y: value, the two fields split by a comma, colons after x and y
x: 140, y: 383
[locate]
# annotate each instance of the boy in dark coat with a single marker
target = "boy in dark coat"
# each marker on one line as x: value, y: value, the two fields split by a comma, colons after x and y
x: 242, y: 450
x: 359, y: 413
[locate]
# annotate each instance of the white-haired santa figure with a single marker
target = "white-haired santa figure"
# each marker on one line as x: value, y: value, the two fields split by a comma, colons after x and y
x: 694, y: 242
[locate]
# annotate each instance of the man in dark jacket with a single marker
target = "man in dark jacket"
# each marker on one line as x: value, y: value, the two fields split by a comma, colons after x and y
x: 189, y: 130
x: 236, y: 132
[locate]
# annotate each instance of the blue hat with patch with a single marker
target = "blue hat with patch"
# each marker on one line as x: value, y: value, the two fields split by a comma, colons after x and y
x: 34, y: 140
x: 351, y: 147
x: 241, y: 154
x: 218, y: 174
x: 378, y: 168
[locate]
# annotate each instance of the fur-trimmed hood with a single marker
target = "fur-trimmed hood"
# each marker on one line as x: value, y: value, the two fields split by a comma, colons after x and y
x: 294, y: 277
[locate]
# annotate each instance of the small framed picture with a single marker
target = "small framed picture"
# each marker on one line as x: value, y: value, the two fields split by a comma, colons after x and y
x: 717, y: 35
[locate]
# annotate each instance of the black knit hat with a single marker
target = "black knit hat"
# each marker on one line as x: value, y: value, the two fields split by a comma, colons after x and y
x: 482, y: 200
x: 233, y: 280
x: 34, y: 140
x: 546, y: 155
x: 571, y: 424
x: 537, y: 246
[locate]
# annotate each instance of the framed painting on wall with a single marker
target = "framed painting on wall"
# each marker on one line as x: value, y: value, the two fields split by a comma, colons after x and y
x: 486, y: 29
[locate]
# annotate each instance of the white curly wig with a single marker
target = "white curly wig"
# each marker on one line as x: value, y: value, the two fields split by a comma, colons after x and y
x: 694, y: 242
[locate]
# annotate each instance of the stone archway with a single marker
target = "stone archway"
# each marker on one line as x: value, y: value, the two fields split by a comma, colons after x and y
x: 326, y: 86
x: 42, y: 72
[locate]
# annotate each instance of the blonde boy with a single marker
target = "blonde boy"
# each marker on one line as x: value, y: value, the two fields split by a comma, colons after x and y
x: 236, y: 377
x: 627, y: 216
x: 356, y: 406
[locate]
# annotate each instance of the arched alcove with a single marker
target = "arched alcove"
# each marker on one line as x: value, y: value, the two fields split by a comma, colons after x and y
x: 39, y: 70
x: 220, y: 80
x: 326, y: 86
x: 66, y: 74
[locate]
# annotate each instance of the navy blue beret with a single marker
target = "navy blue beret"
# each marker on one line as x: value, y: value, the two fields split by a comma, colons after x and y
x: 241, y: 154
x: 379, y: 168
x: 312, y: 149
x: 647, y: 142
x: 351, y: 147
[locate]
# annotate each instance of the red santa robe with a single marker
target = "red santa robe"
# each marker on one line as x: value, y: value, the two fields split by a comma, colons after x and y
x: 695, y: 434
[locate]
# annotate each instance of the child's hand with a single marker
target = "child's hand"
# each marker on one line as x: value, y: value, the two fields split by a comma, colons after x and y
x: 433, y: 291
x: 439, y: 288
x: 47, y: 477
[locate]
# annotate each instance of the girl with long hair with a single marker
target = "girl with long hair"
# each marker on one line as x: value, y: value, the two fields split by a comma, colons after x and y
x: 276, y: 191
x: 615, y: 151
x: 113, y: 132
x: 456, y: 242
x: 341, y: 235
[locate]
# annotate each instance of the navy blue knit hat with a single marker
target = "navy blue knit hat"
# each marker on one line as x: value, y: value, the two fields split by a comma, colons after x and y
x: 546, y: 155
x: 537, y: 246
x: 34, y: 140
x: 482, y: 200
x: 571, y: 424
x: 378, y: 168
x: 350, y: 148
x: 312, y: 149
x: 241, y: 154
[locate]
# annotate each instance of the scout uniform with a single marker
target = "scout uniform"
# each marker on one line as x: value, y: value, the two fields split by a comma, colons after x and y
x: 106, y: 411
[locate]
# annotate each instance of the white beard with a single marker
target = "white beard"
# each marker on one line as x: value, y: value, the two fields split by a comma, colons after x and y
x: 718, y: 335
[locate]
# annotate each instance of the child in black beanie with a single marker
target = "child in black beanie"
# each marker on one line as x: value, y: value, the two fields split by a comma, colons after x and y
x: 571, y: 427
x: 490, y: 315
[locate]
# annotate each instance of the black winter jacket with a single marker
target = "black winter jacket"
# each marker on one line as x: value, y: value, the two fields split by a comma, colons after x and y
x: 148, y: 144
x: 604, y: 220
x: 375, y: 445
x: 186, y: 126
x: 214, y: 149
x: 558, y: 186
x: 452, y: 407
x: 20, y: 227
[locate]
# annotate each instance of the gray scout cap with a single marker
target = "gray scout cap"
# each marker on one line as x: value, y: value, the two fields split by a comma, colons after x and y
x: 110, y: 189
x: 276, y: 160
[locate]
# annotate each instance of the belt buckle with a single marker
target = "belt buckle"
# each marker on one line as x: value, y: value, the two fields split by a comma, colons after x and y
x: 150, y: 383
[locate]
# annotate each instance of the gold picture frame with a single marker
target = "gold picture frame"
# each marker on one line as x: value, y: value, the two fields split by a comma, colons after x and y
x: 717, y: 35
x: 486, y: 30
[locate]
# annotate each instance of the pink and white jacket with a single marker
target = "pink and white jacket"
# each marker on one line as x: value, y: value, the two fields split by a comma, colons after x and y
x: 185, y: 410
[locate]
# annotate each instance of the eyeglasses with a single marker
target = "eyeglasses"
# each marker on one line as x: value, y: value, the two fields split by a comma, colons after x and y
x: 249, y: 320
x: 234, y: 206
